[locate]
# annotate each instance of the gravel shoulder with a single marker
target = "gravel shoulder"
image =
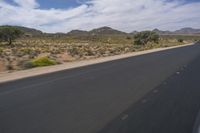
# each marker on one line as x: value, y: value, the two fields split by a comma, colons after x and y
x: 6, y: 77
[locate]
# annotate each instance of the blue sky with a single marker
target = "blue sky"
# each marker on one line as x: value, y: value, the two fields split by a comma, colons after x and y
x: 64, y: 4
x: 59, y: 4
x: 125, y: 15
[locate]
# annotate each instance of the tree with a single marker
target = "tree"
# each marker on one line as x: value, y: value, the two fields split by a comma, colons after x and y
x: 142, y: 38
x: 9, y: 33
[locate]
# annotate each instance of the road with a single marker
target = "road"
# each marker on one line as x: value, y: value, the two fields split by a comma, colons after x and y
x: 155, y: 93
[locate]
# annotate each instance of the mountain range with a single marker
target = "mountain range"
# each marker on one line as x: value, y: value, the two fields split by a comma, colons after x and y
x: 106, y: 31
x: 99, y: 31
x: 183, y: 31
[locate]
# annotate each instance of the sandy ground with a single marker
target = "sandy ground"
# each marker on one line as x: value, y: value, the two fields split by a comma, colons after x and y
x: 6, y: 77
x: 2, y: 66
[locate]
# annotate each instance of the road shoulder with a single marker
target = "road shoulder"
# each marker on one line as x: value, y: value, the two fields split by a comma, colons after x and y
x: 7, y: 77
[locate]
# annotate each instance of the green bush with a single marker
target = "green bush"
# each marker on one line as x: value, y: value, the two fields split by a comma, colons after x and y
x: 142, y: 38
x: 41, y: 61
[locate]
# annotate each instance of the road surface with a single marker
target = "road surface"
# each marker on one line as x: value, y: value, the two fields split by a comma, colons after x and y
x: 154, y: 93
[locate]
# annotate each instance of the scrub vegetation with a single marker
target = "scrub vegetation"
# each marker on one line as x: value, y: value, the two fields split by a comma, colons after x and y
x: 28, y: 51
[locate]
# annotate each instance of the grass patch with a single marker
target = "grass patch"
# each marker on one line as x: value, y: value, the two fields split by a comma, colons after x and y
x: 41, y: 61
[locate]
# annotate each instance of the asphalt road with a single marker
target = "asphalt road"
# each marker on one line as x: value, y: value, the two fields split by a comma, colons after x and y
x: 154, y: 93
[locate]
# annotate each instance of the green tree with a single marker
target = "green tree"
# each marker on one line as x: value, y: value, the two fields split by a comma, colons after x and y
x: 142, y: 38
x: 9, y: 33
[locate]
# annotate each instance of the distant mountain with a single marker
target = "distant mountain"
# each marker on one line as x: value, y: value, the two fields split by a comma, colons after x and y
x: 187, y: 31
x: 133, y: 33
x: 162, y: 32
x: 28, y: 31
x: 99, y: 31
x: 184, y: 31
x: 78, y: 32
x: 102, y: 31
x: 106, y: 31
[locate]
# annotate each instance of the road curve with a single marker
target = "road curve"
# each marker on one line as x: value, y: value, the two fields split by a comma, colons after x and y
x: 101, y: 97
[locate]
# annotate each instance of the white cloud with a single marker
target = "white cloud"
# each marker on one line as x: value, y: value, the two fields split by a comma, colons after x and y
x: 126, y: 15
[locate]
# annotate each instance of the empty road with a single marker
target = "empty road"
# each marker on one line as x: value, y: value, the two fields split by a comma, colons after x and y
x: 153, y: 93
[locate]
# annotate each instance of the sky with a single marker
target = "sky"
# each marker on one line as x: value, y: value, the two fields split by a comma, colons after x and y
x: 125, y: 15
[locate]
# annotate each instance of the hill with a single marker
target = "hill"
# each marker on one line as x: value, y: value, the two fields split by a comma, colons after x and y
x: 106, y: 31
x: 78, y: 33
x: 28, y: 31
x: 162, y: 32
x: 183, y: 31
x: 187, y: 31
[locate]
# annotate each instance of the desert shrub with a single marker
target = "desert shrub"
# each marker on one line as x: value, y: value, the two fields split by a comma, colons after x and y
x: 142, y: 38
x: 26, y: 64
x: 73, y: 51
x: 41, y: 61
x: 26, y: 50
x: 180, y: 40
x: 1, y: 50
x: 9, y: 67
x: 128, y: 37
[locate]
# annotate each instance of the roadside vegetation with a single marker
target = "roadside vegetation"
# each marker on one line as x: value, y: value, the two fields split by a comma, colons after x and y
x: 145, y: 37
x: 40, y: 62
x: 19, y: 51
